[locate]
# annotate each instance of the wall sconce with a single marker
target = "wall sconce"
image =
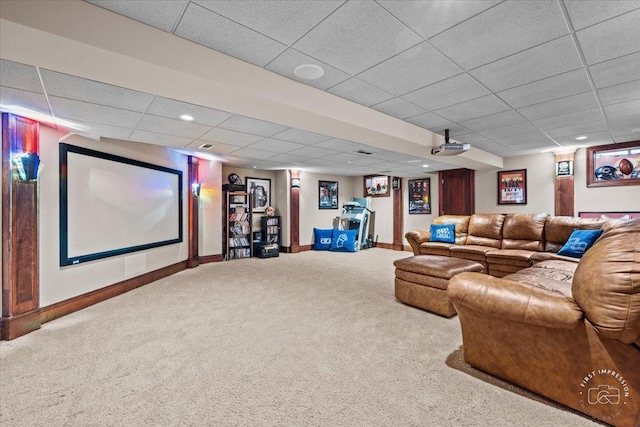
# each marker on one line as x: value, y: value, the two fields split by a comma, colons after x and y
x: 27, y: 166
x: 295, y: 182
x: 195, y: 188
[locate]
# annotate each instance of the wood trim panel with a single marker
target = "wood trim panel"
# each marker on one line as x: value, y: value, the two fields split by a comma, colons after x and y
x: 211, y: 258
x: 19, y: 325
x: 564, y: 199
x: 25, y: 295
x: 397, y: 220
x: 194, y: 212
x: 79, y: 302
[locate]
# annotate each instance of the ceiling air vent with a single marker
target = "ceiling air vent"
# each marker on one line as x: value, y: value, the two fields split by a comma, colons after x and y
x: 368, y: 153
x: 206, y: 146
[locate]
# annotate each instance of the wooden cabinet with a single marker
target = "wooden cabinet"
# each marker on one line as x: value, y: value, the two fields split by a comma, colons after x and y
x: 237, y: 230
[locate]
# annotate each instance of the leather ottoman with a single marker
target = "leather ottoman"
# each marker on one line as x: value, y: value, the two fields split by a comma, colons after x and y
x: 422, y: 281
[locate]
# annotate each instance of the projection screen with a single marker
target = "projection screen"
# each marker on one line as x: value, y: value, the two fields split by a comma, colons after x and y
x: 112, y: 205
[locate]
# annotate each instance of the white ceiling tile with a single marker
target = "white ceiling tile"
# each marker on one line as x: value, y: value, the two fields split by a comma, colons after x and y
x: 587, y: 116
x: 312, y: 151
x: 546, y: 60
x: 358, y: 36
x: 428, y: 120
x: 17, y: 101
x: 500, y: 31
x: 625, y: 126
x: 277, y: 145
x: 428, y: 18
x: 84, y: 111
x: 504, y: 118
x: 616, y: 71
x: 267, y: 165
x: 627, y: 138
x: 534, y: 136
x: 455, y: 130
x: 610, y: 39
x: 581, y: 128
x: 547, y: 89
x: 412, y: 69
x: 160, y: 139
x: 398, y: 107
x: 230, y: 137
x: 159, y: 14
x: 620, y: 93
x: 592, y: 137
x: 285, y: 21
x: 473, y: 138
x: 585, y: 13
x: 556, y: 107
x: 337, y: 144
x: 115, y: 132
x: 624, y: 109
x: 287, y: 62
x: 212, y: 30
x: 167, y: 126
x: 173, y: 109
x: 360, y: 92
x: 71, y: 87
x: 253, y: 153
x: 478, y: 107
x: 301, y: 136
x: 253, y: 126
x: 289, y: 158
x: 447, y: 92
x: 321, y: 162
x: 509, y: 131
x: 19, y: 76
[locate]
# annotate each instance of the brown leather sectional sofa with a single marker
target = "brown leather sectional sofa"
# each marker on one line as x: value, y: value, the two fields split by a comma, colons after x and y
x: 503, y: 243
x: 565, y: 328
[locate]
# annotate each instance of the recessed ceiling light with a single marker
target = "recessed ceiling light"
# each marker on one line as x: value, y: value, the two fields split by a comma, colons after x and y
x: 580, y: 138
x: 309, y: 71
x: 425, y: 166
x: 186, y: 117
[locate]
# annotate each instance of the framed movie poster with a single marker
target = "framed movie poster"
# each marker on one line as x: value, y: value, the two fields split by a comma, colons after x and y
x: 260, y: 189
x: 512, y: 187
x: 376, y: 186
x: 613, y: 165
x: 420, y: 196
x: 328, y: 195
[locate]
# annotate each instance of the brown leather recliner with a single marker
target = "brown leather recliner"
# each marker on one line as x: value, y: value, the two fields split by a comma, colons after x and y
x: 573, y: 337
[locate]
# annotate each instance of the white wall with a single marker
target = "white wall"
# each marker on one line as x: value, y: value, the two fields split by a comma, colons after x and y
x: 210, y: 221
x: 58, y: 283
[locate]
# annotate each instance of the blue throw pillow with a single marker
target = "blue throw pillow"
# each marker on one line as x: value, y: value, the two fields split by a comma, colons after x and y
x: 443, y: 233
x: 344, y: 240
x: 322, y: 239
x: 579, y: 242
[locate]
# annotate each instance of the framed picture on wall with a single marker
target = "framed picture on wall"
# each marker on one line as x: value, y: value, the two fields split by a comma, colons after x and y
x: 328, y: 195
x: 512, y: 187
x: 613, y: 165
x: 420, y: 196
x: 260, y: 189
x: 376, y: 186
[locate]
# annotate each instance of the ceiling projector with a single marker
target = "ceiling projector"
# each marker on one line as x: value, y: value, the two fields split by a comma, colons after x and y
x: 449, y: 149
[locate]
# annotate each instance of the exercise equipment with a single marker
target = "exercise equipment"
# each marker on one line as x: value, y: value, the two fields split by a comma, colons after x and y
x: 356, y: 215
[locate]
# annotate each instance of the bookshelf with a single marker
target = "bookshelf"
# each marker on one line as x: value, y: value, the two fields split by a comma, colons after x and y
x: 237, y: 232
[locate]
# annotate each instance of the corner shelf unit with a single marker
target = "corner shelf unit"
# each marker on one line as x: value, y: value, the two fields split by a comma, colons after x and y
x: 237, y: 229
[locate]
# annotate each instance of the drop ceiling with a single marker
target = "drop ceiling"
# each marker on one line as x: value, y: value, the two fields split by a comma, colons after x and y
x: 508, y: 77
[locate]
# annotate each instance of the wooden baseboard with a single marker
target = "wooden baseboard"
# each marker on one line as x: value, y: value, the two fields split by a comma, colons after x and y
x: 17, y: 326
x: 79, y: 302
x: 211, y: 258
x: 303, y: 248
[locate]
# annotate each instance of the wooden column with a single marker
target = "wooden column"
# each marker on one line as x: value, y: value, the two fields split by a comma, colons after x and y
x: 194, y: 213
x: 295, y: 212
x: 565, y: 183
x: 20, y: 267
x: 397, y: 217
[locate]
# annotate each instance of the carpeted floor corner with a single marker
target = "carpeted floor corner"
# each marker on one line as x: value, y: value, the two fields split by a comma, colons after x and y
x: 308, y: 339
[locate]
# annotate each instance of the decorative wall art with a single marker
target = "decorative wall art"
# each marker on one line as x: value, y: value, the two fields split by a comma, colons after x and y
x: 376, y: 186
x: 613, y: 165
x: 260, y: 189
x: 512, y: 187
x: 420, y: 196
x: 328, y: 194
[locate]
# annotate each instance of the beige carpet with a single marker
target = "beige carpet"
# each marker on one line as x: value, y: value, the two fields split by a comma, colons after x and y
x: 309, y: 339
